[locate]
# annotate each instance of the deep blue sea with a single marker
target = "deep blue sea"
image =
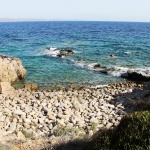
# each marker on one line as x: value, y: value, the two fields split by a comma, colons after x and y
x: 92, y: 42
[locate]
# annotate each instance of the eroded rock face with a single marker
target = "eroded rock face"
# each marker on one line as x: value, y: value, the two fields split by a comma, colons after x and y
x: 11, y: 69
x: 6, y: 88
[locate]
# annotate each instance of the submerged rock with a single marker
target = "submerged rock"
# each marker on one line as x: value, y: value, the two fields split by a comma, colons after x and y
x: 11, y: 69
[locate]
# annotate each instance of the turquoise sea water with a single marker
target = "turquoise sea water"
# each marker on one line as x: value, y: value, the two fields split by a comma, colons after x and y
x: 92, y: 42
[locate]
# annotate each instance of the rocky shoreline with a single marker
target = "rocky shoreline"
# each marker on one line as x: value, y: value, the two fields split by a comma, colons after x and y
x: 32, y: 113
x: 11, y: 69
x: 41, y: 113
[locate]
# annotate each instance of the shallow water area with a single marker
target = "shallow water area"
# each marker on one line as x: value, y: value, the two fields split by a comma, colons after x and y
x: 92, y: 42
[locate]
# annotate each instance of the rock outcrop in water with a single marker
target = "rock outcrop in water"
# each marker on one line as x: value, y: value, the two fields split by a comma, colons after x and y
x: 55, y: 52
x: 137, y: 75
x: 131, y: 74
x: 66, y: 52
x: 102, y: 69
x: 11, y: 69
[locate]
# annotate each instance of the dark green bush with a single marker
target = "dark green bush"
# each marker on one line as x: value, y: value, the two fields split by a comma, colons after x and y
x: 133, y: 133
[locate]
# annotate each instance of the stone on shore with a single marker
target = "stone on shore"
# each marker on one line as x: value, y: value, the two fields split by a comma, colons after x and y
x: 30, y: 87
x: 21, y: 136
x: 12, y: 127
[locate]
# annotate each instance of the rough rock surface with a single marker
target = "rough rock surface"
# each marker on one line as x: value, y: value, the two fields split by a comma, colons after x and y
x: 137, y: 75
x: 66, y: 52
x: 11, y: 69
x: 102, y: 69
x: 6, y: 89
x: 30, y: 87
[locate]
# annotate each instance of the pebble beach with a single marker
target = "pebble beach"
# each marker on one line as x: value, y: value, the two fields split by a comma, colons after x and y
x: 41, y: 113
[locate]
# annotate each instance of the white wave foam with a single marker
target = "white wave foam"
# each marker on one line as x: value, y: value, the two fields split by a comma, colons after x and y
x: 91, y: 66
x: 113, y: 70
x: 54, y: 52
x: 52, y: 49
x: 98, y: 86
x: 81, y: 64
x: 143, y: 71
x: 118, y: 71
x: 77, y: 52
x: 128, y: 52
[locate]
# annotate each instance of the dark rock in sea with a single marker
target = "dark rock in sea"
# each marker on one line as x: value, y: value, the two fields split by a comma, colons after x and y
x: 137, y: 75
x: 112, y: 55
x: 104, y: 70
x: 124, y: 75
x: 66, y: 52
x: 97, y: 66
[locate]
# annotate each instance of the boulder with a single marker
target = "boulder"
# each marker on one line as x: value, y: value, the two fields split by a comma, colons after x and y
x: 97, y: 66
x: 112, y: 55
x: 138, y: 75
x: 30, y: 87
x: 11, y: 69
x: 20, y: 136
x: 6, y: 88
x: 124, y: 75
x: 12, y: 127
x: 66, y: 52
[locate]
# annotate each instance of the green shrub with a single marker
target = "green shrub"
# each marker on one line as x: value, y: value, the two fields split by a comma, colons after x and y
x: 133, y: 133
